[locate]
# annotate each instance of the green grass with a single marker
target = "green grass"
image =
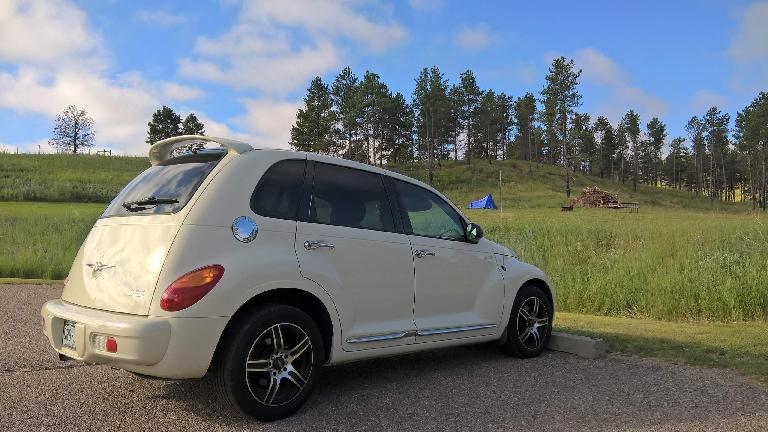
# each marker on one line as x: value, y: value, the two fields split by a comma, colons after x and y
x: 659, y: 263
x: 740, y: 346
x: 681, y: 258
x: 66, y: 178
x: 40, y: 240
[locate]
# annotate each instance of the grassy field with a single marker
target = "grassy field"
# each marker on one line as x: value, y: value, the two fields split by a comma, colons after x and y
x: 659, y: 263
x: 40, y: 240
x: 681, y: 258
x: 70, y: 178
x: 739, y: 346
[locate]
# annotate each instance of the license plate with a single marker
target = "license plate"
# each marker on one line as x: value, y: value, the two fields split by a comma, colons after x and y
x: 68, y: 335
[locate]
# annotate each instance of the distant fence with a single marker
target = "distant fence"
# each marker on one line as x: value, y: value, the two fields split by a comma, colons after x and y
x: 103, y: 152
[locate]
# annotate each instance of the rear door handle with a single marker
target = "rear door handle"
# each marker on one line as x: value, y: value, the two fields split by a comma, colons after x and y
x: 317, y: 244
x: 421, y: 253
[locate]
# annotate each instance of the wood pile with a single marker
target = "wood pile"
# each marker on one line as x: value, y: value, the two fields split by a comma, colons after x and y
x: 594, y: 197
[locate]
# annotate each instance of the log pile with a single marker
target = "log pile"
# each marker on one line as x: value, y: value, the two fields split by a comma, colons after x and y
x: 594, y: 197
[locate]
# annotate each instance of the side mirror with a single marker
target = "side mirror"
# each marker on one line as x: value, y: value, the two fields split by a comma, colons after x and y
x: 474, y: 232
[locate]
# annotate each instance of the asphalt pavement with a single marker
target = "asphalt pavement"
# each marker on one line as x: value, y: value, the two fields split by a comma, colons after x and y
x: 467, y: 388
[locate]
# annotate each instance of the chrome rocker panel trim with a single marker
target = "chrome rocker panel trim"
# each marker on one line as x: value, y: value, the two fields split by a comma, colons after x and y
x: 428, y: 332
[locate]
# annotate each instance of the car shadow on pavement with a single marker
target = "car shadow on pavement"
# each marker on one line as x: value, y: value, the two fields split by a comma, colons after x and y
x: 477, y: 388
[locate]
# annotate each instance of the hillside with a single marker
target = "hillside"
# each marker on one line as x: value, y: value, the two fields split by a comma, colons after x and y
x: 66, y: 178
x: 85, y: 178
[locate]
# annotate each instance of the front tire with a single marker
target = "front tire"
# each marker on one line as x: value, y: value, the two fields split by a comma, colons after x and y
x: 530, y: 323
x: 270, y: 362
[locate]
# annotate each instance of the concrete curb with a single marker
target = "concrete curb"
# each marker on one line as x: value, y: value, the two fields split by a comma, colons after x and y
x: 582, y: 346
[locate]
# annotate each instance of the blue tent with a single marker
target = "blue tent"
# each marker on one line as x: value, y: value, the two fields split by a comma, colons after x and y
x: 485, y: 202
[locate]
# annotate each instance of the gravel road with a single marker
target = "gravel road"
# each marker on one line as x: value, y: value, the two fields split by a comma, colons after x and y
x: 467, y: 388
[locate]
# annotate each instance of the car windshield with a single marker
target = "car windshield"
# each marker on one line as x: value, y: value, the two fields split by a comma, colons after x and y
x: 164, y: 188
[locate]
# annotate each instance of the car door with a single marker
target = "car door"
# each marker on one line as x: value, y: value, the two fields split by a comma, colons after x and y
x: 459, y: 290
x: 349, y: 244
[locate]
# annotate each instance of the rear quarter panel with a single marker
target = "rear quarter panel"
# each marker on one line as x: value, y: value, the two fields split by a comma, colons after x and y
x: 205, y: 237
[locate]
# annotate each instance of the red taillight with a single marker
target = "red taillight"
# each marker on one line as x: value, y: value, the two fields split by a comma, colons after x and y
x: 190, y: 288
x: 111, y: 344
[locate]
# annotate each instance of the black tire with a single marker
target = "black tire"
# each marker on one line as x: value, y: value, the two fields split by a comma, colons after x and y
x: 256, y: 340
x: 528, y: 332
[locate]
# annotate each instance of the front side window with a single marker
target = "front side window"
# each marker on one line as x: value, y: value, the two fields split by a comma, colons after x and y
x: 429, y: 215
x: 166, y: 187
x: 349, y: 197
x: 277, y: 193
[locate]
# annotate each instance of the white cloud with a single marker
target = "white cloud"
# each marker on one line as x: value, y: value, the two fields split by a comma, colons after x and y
x: 749, y: 50
x: 426, y: 5
x: 268, y: 121
x: 52, y: 70
x: 277, y: 74
x: 160, y: 18
x: 46, y: 33
x: 179, y: 92
x: 474, y: 39
x: 751, y: 39
x: 326, y: 18
x: 600, y: 70
x: 119, y: 110
x: 275, y: 46
x: 702, y: 100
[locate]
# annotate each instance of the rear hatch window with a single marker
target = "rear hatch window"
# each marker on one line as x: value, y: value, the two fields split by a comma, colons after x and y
x: 166, y: 187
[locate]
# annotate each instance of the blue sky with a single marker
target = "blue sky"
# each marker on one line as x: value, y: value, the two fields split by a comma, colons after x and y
x: 243, y: 66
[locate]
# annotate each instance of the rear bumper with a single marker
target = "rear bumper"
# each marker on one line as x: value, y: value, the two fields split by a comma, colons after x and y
x: 158, y: 346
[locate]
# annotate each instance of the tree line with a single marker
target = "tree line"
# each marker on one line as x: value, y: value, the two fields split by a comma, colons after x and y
x: 363, y: 120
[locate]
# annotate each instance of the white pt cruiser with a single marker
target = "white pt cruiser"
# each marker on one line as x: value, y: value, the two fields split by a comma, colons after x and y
x: 260, y: 266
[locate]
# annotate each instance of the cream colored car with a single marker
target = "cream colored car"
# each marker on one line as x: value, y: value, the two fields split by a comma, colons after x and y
x: 260, y: 266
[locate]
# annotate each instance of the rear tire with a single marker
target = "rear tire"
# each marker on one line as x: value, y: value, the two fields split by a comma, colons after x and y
x: 270, y: 362
x: 530, y: 323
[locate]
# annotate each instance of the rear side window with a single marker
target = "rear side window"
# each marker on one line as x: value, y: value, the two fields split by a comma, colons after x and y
x: 277, y: 193
x: 164, y: 188
x: 349, y: 197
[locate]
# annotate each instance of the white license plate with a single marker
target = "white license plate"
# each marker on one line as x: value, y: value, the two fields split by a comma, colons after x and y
x: 68, y: 335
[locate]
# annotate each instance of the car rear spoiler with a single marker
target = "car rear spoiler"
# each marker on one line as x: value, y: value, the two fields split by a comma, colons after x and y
x: 162, y: 150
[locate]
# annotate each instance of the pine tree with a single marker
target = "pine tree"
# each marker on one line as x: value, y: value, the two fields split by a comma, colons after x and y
x: 561, y: 96
x: 345, y: 94
x: 676, y: 151
x: 192, y: 126
x: 165, y: 123
x: 631, y: 122
x: 431, y: 112
x: 657, y: 134
x: 695, y: 129
x: 469, y: 96
x: 606, y: 146
x: 315, y: 126
x: 397, y: 142
x: 374, y: 95
x: 525, y: 116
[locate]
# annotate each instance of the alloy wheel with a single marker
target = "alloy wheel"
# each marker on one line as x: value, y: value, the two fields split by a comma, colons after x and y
x: 532, y: 319
x: 279, y: 364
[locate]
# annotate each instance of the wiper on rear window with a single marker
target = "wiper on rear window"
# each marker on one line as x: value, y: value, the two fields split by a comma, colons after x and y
x: 148, y: 202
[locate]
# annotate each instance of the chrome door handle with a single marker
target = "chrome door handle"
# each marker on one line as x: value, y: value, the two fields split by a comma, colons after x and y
x: 421, y: 253
x: 317, y: 244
